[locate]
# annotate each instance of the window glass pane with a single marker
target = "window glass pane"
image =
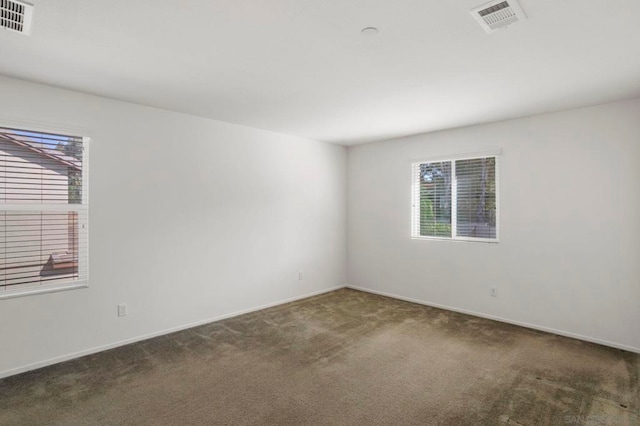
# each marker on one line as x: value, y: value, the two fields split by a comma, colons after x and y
x: 40, y: 168
x: 435, y: 199
x: 476, y: 197
x: 38, y: 248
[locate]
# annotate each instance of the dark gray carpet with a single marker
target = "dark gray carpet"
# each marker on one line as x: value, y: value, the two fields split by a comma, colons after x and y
x: 342, y: 358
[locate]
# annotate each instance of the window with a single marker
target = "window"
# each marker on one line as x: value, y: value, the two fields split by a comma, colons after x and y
x: 456, y: 198
x: 43, y: 212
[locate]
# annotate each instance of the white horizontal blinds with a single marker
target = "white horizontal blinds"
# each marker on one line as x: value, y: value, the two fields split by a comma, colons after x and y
x: 40, y: 247
x: 435, y: 199
x: 476, y: 197
x: 39, y: 168
x: 456, y: 198
x: 43, y: 209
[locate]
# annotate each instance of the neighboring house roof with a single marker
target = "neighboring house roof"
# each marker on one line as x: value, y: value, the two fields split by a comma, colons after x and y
x: 49, y: 153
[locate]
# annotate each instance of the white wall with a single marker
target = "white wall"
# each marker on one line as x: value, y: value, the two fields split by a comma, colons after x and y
x: 190, y: 219
x: 569, y: 252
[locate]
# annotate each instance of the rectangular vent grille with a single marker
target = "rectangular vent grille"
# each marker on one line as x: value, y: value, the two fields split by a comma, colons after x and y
x: 498, y: 14
x: 16, y: 16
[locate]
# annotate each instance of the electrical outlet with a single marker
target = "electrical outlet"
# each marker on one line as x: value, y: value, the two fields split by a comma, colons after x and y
x: 493, y: 292
x: 300, y: 276
x: 122, y: 310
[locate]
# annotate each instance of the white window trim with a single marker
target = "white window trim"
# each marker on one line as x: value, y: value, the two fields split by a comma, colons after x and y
x: 44, y: 288
x: 415, y: 195
x: 44, y: 126
x: 84, y: 207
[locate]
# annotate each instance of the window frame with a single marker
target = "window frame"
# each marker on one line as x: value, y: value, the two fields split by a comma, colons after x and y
x: 415, y: 195
x: 82, y: 208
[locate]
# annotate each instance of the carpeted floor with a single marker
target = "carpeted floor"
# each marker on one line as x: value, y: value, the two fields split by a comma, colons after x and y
x: 342, y: 358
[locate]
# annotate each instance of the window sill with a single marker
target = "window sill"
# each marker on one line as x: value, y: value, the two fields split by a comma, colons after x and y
x: 458, y: 239
x: 52, y: 288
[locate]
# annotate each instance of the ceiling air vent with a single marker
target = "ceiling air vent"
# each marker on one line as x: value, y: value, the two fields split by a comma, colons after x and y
x: 16, y: 16
x: 498, y: 14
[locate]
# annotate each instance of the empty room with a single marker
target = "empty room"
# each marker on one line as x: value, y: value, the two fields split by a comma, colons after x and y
x: 305, y: 212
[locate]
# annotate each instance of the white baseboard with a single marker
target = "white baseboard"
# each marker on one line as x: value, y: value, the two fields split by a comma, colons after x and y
x: 67, y: 357
x: 505, y: 320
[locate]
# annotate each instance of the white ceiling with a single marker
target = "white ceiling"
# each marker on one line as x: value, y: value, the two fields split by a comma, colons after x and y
x: 302, y: 67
